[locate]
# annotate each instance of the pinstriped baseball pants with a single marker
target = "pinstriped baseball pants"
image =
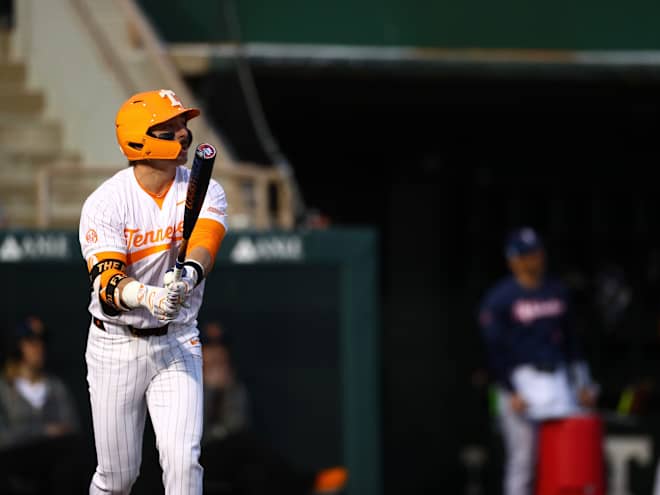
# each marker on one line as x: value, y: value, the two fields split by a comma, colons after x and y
x: 129, y: 376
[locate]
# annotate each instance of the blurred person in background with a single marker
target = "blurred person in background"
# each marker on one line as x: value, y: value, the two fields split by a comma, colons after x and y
x: 236, y: 461
x: 38, y: 420
x: 533, y: 355
x: 226, y: 406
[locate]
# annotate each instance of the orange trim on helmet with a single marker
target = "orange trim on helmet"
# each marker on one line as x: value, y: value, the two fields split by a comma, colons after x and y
x: 143, y: 111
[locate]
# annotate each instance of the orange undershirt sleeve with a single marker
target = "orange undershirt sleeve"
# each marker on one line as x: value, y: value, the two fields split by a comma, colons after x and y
x: 208, y: 234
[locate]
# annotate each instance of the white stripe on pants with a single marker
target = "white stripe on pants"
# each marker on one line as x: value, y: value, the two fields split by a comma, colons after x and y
x: 129, y: 375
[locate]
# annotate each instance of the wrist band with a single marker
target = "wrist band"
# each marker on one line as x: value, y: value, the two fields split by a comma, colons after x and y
x: 111, y: 293
x: 198, y: 268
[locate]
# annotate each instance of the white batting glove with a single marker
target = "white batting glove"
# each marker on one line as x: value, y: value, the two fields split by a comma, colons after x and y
x: 182, y: 287
x: 161, y: 302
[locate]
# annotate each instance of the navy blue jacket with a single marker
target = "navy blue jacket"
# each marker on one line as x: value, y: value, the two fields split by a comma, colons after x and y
x: 523, y: 326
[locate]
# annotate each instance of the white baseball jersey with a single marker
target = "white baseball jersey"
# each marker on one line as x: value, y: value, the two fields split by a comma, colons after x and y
x: 120, y: 216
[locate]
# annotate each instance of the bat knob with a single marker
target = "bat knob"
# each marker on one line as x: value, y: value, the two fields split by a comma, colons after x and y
x: 205, y: 151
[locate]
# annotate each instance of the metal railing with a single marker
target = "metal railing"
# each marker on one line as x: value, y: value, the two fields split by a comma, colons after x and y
x: 258, y: 198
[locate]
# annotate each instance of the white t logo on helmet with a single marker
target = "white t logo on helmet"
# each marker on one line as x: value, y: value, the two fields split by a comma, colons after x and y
x: 168, y: 93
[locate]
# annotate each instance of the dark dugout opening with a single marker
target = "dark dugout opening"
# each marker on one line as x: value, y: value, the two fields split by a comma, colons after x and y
x: 444, y: 163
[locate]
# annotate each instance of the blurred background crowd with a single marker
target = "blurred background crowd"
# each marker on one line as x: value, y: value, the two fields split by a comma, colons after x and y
x: 446, y: 131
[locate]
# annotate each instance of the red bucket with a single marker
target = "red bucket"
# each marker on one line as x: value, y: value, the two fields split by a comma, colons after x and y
x: 570, y: 457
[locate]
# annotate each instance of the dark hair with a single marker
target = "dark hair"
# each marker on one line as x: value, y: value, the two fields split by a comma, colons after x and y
x: 29, y: 328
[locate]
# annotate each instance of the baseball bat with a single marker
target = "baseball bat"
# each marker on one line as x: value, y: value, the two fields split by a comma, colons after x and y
x: 198, y: 183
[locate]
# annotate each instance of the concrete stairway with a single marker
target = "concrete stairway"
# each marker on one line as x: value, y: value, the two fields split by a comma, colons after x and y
x: 27, y: 142
x: 42, y: 183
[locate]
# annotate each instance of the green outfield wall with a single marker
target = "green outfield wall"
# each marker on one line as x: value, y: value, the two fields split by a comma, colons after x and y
x: 302, y: 310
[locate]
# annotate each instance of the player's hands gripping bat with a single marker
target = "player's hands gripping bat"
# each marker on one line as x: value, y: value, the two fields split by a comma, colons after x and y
x: 161, y: 302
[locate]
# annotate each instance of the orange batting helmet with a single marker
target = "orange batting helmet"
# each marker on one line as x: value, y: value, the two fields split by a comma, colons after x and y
x: 139, y: 114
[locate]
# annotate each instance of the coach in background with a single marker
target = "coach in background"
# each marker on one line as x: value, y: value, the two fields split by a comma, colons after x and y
x: 38, y: 420
x: 533, y: 355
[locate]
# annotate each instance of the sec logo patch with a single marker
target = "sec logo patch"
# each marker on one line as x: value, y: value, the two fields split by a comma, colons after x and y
x: 91, y: 236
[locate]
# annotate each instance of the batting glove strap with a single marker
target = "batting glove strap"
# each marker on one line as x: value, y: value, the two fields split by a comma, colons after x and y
x: 198, y: 268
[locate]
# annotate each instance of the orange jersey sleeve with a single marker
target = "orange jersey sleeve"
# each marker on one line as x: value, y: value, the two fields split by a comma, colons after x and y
x: 208, y: 234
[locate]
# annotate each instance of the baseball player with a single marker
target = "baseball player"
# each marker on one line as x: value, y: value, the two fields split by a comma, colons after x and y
x: 533, y: 355
x: 143, y: 351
